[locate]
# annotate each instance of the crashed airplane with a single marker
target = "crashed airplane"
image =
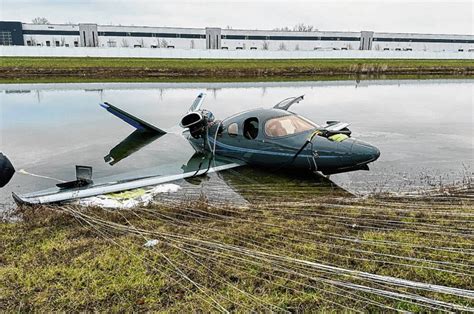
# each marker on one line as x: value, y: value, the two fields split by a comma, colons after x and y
x: 270, y: 138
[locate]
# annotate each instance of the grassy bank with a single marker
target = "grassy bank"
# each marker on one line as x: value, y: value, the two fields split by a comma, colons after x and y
x: 265, y: 256
x: 24, y: 68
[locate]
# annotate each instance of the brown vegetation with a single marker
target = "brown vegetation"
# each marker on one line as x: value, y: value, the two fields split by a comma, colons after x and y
x: 307, y: 252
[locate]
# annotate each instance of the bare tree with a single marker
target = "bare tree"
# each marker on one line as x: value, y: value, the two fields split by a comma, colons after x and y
x: 265, y: 45
x: 192, y: 44
x: 297, y: 47
x: 301, y: 27
x: 31, y: 40
x: 63, y: 41
x: 282, y: 29
x: 141, y: 42
x: 125, y: 43
x: 282, y: 46
x: 40, y: 20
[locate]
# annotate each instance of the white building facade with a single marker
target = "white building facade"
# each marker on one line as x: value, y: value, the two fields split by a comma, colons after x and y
x: 93, y: 35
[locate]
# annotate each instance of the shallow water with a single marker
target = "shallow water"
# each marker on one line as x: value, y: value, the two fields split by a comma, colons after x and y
x: 424, y: 129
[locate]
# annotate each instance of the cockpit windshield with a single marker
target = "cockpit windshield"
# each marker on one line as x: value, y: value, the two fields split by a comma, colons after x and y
x: 287, y: 125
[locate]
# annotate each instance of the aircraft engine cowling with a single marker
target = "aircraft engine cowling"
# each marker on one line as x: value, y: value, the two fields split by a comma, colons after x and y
x: 197, y: 122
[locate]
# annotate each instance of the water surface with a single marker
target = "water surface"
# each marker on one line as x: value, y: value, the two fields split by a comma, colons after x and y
x: 424, y: 129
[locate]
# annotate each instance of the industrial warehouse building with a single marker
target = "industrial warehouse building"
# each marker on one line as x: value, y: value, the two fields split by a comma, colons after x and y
x: 93, y: 35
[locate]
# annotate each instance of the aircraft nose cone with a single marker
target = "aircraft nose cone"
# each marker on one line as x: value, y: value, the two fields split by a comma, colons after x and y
x: 364, y: 153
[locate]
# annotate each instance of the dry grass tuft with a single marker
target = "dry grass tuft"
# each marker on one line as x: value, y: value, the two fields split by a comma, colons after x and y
x: 267, y: 256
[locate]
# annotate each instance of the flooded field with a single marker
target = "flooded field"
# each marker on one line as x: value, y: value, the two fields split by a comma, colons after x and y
x: 424, y: 130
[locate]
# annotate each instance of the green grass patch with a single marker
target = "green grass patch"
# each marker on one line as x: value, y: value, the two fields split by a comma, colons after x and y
x: 18, y: 69
x: 81, y: 62
x: 72, y: 259
x: 192, y: 79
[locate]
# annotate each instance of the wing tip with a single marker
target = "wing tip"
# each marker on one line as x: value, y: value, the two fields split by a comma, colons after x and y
x: 18, y: 200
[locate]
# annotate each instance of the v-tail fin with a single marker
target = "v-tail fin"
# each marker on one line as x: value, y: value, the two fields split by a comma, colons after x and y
x: 130, y: 119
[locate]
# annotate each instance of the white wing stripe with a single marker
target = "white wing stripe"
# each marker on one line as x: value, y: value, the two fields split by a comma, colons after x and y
x: 112, y: 188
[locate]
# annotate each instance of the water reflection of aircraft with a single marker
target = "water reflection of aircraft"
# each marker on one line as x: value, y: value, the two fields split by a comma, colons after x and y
x: 131, y: 144
x: 273, y: 138
x: 255, y: 185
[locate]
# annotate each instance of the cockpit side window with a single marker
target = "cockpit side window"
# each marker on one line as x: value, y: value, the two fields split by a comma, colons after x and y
x: 287, y: 125
x: 233, y: 129
x: 251, y: 128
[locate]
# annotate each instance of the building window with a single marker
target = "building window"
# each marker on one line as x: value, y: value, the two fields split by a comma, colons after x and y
x: 76, y: 44
x: 225, y: 48
x: 172, y: 47
x: 6, y: 38
x: 111, y: 43
x: 386, y: 48
x: 29, y: 43
x: 57, y: 43
x: 67, y: 45
x: 460, y: 50
x: 153, y: 46
x: 253, y: 48
x: 48, y: 43
x: 137, y: 46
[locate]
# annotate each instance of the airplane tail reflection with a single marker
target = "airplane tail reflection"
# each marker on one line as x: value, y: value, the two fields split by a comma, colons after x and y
x: 131, y: 144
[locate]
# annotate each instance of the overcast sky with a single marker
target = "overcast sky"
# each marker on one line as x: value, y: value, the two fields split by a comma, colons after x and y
x: 422, y: 16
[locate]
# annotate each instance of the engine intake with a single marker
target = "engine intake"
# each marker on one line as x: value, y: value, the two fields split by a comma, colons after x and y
x: 197, y: 122
x: 190, y: 119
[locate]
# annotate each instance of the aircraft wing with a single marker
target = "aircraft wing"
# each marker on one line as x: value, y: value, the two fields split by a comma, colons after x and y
x: 56, y: 195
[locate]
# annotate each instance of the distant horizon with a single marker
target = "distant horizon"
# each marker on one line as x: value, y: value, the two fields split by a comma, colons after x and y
x: 402, y: 16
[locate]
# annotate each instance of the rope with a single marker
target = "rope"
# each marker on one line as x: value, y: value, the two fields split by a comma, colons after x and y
x: 23, y: 171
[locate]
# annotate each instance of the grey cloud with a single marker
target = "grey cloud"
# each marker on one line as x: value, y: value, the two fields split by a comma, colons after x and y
x: 393, y: 16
